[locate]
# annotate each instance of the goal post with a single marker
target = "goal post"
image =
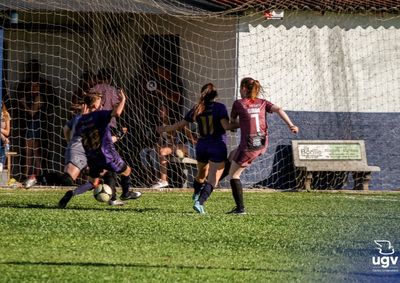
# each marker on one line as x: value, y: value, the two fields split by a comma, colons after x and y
x: 333, y: 70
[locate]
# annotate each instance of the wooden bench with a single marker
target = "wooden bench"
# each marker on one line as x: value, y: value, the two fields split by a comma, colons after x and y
x: 310, y: 156
x: 187, y: 165
x: 5, y: 175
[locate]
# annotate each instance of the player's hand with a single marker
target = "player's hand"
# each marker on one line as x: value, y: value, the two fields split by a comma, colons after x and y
x: 294, y: 129
x: 121, y: 94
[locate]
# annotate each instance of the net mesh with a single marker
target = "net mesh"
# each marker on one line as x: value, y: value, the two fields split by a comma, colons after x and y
x: 334, y: 60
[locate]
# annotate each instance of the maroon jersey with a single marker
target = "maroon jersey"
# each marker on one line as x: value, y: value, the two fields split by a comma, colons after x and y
x: 252, y: 121
x: 253, y: 128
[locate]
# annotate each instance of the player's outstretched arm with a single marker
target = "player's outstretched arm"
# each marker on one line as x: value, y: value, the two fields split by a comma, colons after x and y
x: 117, y: 111
x: 282, y: 114
x: 170, y: 128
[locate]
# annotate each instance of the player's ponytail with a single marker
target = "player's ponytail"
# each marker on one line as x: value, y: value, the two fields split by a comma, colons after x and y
x: 208, y: 93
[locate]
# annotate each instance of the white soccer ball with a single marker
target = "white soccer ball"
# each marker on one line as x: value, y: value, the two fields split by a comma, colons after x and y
x: 102, y: 193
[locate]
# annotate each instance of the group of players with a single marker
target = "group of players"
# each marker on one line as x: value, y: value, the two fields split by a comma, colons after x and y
x: 249, y: 114
x: 92, y: 143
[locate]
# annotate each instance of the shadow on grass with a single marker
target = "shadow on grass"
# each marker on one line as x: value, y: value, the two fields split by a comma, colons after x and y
x: 354, y: 275
x: 143, y: 265
x: 55, y: 207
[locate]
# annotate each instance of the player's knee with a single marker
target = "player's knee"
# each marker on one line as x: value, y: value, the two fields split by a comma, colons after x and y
x: 127, y: 171
x: 67, y: 180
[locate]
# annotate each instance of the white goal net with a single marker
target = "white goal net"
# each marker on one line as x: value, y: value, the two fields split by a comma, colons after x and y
x: 334, y: 71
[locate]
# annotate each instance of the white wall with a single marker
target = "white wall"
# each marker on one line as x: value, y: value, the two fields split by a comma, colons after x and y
x: 331, y: 62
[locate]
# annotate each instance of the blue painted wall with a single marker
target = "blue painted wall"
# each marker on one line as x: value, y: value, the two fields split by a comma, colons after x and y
x: 381, y: 132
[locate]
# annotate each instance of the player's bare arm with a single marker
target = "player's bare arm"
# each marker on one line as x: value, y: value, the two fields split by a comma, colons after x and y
x: 229, y: 125
x: 117, y: 111
x: 282, y: 114
x: 170, y: 128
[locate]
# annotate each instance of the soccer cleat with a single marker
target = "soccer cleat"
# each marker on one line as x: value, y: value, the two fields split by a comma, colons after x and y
x: 131, y: 195
x: 30, y: 182
x: 199, y: 208
x: 237, y: 210
x: 116, y: 202
x: 160, y: 184
x: 65, y: 199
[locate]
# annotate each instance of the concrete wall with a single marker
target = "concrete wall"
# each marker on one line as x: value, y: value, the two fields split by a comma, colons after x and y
x: 338, y: 77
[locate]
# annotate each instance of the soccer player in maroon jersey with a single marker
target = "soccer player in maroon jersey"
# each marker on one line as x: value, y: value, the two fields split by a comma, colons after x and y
x: 211, y: 150
x: 251, y: 112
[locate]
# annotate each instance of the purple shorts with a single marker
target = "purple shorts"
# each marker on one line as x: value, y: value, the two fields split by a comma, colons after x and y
x: 112, y: 162
x: 214, y: 152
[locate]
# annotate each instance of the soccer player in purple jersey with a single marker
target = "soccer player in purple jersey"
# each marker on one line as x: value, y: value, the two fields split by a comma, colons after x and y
x: 211, y: 150
x: 94, y: 129
x: 251, y: 112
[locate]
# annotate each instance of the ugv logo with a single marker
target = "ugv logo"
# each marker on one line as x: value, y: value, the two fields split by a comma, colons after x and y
x: 386, y: 252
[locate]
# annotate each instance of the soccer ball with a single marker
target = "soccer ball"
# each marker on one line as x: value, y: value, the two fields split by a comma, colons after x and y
x: 102, y: 193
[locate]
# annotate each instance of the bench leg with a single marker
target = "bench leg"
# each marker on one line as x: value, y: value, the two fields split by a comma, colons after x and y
x: 308, y: 181
x: 185, y: 176
x: 361, y: 180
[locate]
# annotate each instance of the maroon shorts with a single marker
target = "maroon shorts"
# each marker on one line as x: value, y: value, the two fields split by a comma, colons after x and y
x: 244, y: 157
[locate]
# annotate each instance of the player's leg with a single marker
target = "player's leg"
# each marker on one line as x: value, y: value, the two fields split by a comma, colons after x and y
x: 110, y: 179
x: 214, y: 173
x: 76, y: 162
x: 126, y: 184
x: 92, y: 183
x: 236, y: 186
x: 228, y: 163
x: 199, y: 180
x: 95, y: 169
x: 216, y: 153
x: 71, y: 173
x: 119, y: 166
x: 202, y: 170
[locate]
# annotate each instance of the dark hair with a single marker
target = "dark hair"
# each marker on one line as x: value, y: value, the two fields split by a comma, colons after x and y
x: 253, y: 87
x: 90, y: 98
x: 208, y: 93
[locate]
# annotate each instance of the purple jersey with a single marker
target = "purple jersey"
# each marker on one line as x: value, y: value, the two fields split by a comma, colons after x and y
x: 252, y: 121
x: 97, y: 141
x: 211, y: 145
x: 209, y: 122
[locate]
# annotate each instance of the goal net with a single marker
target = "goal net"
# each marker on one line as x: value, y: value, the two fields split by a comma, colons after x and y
x: 334, y: 69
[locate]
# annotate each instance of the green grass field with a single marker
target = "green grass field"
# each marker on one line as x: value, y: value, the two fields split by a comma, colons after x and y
x: 285, y: 237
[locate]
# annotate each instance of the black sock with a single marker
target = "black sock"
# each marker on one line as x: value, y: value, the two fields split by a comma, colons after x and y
x: 197, y: 186
x: 110, y: 179
x: 67, y: 180
x: 226, y: 170
x: 237, y: 192
x: 205, y: 193
x: 125, y: 184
